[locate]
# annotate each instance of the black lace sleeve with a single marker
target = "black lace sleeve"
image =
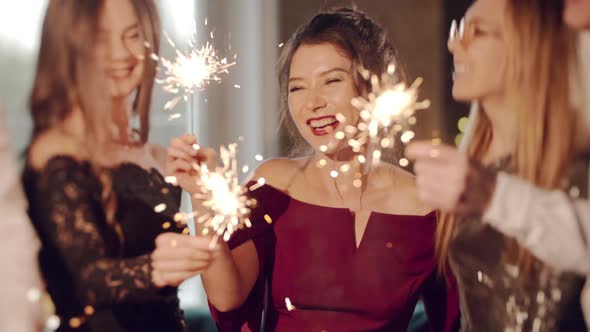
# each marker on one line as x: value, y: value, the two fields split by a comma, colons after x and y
x: 70, y: 218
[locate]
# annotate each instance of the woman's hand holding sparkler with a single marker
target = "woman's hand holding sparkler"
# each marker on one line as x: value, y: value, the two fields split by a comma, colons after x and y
x: 448, y: 180
x: 178, y: 257
x: 185, y: 159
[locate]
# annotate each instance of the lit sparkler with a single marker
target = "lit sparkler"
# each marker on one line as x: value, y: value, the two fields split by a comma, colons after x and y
x: 388, y: 111
x: 227, y: 206
x: 385, y: 113
x: 191, y: 70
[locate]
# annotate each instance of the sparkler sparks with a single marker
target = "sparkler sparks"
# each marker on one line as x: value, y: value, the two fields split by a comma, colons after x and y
x: 227, y: 207
x: 385, y: 113
x: 191, y: 70
x: 388, y: 111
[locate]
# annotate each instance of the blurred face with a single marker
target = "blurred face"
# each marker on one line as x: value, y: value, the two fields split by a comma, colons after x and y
x: 321, y: 85
x: 577, y: 14
x: 121, y: 46
x: 479, y: 52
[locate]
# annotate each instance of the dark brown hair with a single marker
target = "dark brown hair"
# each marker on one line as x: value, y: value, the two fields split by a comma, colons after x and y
x: 352, y: 32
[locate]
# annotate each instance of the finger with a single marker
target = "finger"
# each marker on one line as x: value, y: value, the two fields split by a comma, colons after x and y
x: 184, y: 145
x: 181, y: 266
x: 177, y: 278
x: 181, y: 166
x: 207, y: 156
x: 180, y: 254
x: 172, y: 240
x: 189, y: 139
x: 204, y: 243
x: 178, y: 153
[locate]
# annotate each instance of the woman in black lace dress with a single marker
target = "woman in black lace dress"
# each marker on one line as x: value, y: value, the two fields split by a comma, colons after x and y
x: 98, y: 199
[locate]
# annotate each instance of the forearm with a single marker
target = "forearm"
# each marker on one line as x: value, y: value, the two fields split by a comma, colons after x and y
x: 224, y: 284
x: 550, y: 224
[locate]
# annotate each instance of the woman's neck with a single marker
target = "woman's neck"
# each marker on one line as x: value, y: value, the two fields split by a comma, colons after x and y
x: 503, y: 124
x: 336, y: 175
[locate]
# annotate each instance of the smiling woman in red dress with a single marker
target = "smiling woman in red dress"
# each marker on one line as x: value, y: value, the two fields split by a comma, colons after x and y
x: 335, y: 257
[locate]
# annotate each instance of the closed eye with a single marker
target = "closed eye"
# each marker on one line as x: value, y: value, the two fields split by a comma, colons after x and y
x: 333, y: 80
x: 294, y: 89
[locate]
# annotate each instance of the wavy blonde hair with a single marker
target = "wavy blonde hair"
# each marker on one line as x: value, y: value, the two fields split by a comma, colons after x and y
x: 537, y: 92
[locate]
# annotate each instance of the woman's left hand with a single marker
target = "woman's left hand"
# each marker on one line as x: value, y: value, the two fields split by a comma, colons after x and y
x: 448, y: 180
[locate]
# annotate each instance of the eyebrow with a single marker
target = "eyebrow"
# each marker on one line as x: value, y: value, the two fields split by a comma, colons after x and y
x: 329, y: 71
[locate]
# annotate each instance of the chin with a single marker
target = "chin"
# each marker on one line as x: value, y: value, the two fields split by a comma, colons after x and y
x: 462, y: 95
x: 123, y: 90
x: 578, y: 20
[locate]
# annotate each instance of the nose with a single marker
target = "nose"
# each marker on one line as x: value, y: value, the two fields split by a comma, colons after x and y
x: 455, y: 45
x: 315, y: 101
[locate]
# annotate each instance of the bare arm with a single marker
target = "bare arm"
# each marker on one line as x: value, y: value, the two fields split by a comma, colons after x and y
x: 233, y: 273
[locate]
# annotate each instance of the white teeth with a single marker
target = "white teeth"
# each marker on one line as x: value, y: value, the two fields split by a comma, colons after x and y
x: 322, y: 122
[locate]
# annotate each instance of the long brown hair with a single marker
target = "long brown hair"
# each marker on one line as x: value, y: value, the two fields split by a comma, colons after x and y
x: 351, y: 31
x: 538, y: 94
x: 69, y: 76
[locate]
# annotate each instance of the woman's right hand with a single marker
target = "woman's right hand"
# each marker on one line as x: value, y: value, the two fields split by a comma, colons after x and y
x: 184, y: 161
x: 178, y: 257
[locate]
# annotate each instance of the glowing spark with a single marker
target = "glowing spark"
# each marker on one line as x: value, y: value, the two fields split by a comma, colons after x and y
x: 289, y: 305
x: 166, y: 225
x: 323, y: 148
x: 160, y: 207
x: 281, y: 45
x: 191, y: 70
x: 34, y: 295
x: 53, y: 323
x: 89, y: 310
x: 174, y: 116
x: 237, y: 86
x: 334, y: 174
x: 407, y: 136
x: 404, y: 162
x: 345, y: 168
x: 245, y: 169
x: 196, y: 147
x: 258, y: 157
x: 227, y: 206
x: 171, y: 180
x: 75, y: 322
x: 357, y: 183
x: 268, y: 219
x: 385, y: 113
x: 259, y: 183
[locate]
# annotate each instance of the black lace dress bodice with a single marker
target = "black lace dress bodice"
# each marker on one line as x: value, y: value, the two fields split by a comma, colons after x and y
x: 97, y: 269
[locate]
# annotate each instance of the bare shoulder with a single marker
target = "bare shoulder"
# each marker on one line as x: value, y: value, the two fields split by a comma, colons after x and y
x: 400, y: 189
x: 53, y: 143
x: 279, y: 172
